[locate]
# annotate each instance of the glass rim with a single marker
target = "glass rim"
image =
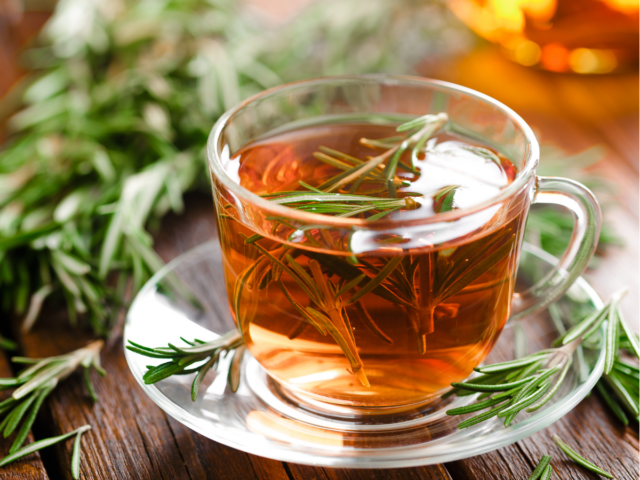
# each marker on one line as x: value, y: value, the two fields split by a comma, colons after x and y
x: 522, y: 178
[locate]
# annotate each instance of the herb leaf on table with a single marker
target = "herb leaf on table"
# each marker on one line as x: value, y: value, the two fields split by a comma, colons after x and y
x: 32, y: 386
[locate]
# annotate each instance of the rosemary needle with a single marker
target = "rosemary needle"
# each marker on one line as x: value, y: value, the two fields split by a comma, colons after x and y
x: 540, y: 468
x: 546, y: 475
x: 573, y: 455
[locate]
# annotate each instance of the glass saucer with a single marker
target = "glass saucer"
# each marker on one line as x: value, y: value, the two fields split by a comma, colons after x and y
x: 187, y: 298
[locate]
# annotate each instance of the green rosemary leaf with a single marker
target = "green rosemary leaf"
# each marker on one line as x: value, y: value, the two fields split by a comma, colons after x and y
x: 476, y: 406
x: 415, y: 123
x: 476, y: 387
x: 626, y: 368
x: 547, y: 473
x: 371, y: 325
x: 510, y: 365
x: 340, y: 155
x: 625, y: 397
x: 233, y: 378
x: 347, y: 271
x: 630, y: 334
x: 612, y: 403
x: 483, y: 416
x: 146, y: 353
x: 374, y: 282
x: 476, y: 271
x: 309, y: 318
x: 305, y: 278
x: 583, y: 326
x: 382, y: 214
x: 523, y: 403
x: 89, y: 384
x: 528, y: 390
x: 540, y: 468
x: 519, y: 341
x: 573, y: 455
x: 142, y: 347
x: 238, y: 288
x: 161, y: 372
x: 35, y: 446
x: 555, y: 388
x: 610, y: 340
x: 202, y: 372
x: 329, y: 160
x: 252, y: 239
x: 75, y: 456
x: 17, y: 413
x: 7, y: 405
x: 23, y: 432
x: 299, y: 280
x: 7, y: 344
x: 8, y: 383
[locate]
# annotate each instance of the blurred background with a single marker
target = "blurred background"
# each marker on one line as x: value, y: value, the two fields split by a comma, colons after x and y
x: 98, y: 93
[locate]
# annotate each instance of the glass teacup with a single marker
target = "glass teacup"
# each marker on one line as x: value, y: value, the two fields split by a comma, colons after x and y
x: 432, y: 294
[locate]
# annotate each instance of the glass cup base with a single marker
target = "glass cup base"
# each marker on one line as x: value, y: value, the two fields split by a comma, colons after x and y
x: 311, y: 411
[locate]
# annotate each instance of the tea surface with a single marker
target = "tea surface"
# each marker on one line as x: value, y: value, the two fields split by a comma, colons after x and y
x: 432, y: 316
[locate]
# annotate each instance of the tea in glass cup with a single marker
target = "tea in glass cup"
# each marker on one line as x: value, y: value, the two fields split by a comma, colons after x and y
x: 371, y: 229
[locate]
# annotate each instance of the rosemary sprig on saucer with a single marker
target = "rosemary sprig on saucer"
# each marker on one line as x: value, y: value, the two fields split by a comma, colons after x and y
x: 198, y: 357
x: 530, y: 382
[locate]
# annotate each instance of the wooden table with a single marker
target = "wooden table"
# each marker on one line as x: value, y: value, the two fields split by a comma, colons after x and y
x: 134, y: 439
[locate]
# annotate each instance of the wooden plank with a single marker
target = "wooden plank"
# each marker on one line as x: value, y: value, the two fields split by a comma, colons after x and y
x: 130, y: 436
x: 27, y: 468
x: 501, y: 464
x: 432, y: 472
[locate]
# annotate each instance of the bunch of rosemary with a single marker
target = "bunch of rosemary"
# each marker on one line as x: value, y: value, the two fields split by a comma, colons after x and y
x: 117, y: 109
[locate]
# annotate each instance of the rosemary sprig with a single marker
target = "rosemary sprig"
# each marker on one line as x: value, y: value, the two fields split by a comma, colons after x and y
x: 532, y: 381
x: 47, y: 442
x: 32, y: 386
x: 576, y: 457
x: 441, y: 276
x: 37, y: 381
x: 198, y: 357
x: 541, y: 468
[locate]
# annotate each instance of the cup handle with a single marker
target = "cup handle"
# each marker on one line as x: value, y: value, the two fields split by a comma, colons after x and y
x: 579, y: 200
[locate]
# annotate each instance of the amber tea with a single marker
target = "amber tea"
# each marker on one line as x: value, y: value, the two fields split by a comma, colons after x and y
x: 384, y: 327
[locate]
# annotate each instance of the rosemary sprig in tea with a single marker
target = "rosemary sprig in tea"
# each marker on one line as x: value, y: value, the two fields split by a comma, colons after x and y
x: 442, y: 276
